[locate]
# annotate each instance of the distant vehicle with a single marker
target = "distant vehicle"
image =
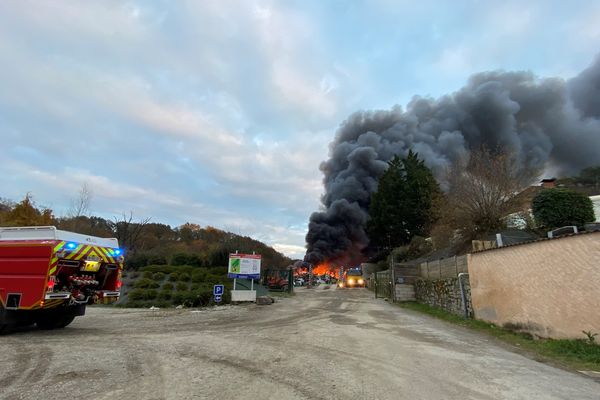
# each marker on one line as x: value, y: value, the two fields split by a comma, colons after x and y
x: 352, y: 278
x: 319, y: 280
x: 48, y: 276
x: 299, y: 282
x: 277, y: 283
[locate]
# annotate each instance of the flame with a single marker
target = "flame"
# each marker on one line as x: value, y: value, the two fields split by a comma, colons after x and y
x: 323, y: 268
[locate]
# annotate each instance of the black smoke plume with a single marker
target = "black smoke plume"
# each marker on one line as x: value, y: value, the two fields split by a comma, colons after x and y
x: 549, y: 124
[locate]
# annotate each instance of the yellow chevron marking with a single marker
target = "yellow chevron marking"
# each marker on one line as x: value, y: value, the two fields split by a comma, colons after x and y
x: 88, y: 250
x: 108, y: 255
x: 59, y: 246
x: 83, y: 252
x: 105, y: 251
x: 74, y: 252
x: 52, y: 270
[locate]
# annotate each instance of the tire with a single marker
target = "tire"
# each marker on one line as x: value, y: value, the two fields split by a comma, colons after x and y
x: 54, y: 321
x: 4, y: 327
x: 67, y: 320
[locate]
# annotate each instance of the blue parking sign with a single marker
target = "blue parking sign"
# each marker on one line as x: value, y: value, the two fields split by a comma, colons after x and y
x: 218, y: 290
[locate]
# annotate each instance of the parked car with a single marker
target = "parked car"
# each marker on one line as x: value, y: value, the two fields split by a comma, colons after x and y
x: 299, y: 282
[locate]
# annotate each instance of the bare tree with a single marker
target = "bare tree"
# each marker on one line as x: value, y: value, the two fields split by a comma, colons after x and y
x: 77, y: 216
x: 481, y: 190
x: 127, y: 231
x: 80, y: 206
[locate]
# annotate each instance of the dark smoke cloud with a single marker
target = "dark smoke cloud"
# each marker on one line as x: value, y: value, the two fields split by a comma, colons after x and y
x: 548, y: 123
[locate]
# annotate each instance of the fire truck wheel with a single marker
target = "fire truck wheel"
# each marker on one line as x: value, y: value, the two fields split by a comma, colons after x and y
x: 53, y: 321
x: 67, y: 320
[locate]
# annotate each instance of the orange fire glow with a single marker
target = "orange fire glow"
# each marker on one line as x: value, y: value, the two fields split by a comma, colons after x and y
x: 326, y: 269
x: 319, y: 270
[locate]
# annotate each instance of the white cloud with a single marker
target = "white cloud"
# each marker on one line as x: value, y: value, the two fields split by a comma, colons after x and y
x: 173, y: 119
x: 506, y: 19
x: 292, y: 251
x: 585, y: 31
x: 454, y: 62
x: 69, y: 181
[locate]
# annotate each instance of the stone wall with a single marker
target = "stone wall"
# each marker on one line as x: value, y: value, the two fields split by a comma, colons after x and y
x: 548, y: 288
x: 444, y: 294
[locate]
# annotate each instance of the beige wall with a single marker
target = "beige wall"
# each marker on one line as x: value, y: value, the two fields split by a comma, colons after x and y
x: 549, y: 288
x: 596, y: 203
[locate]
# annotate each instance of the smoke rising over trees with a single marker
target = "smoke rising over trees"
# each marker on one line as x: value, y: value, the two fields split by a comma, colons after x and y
x: 546, y: 123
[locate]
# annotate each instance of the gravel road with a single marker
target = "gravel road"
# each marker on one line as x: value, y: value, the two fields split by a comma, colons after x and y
x: 319, y: 344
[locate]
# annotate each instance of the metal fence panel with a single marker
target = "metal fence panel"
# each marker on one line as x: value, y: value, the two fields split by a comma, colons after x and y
x: 383, y: 284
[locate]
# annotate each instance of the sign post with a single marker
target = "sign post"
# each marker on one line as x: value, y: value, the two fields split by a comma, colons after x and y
x: 218, y: 293
x: 244, y: 266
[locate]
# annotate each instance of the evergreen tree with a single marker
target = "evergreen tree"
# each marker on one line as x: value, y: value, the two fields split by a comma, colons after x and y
x: 401, y: 208
x: 553, y: 208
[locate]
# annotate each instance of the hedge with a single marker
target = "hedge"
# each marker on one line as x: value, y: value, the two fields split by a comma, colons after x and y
x: 145, y: 283
x: 553, y: 208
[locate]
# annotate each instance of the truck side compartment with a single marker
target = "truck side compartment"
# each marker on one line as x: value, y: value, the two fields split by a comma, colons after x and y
x: 23, y: 274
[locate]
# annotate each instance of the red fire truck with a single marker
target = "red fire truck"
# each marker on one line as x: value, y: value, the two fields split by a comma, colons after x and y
x: 48, y: 276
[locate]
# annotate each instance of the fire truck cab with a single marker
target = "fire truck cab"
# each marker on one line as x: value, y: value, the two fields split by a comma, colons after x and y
x: 352, y: 278
x: 48, y: 276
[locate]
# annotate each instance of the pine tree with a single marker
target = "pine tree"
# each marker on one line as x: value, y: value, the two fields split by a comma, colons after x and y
x: 401, y: 208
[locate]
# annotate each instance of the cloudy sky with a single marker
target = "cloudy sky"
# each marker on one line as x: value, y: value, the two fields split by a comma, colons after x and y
x: 219, y: 112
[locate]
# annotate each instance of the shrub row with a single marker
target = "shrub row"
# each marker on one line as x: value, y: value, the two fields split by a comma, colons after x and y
x: 168, y: 269
x: 140, y: 260
x: 207, y: 282
x: 145, y: 283
x: 189, y: 298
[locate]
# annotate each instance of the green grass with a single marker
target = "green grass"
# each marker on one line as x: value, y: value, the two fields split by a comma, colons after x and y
x: 578, y: 354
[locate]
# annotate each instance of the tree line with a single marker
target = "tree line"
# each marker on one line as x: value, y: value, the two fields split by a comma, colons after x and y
x: 145, y: 242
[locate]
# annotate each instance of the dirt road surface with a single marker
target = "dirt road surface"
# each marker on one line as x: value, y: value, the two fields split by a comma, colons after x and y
x: 319, y: 344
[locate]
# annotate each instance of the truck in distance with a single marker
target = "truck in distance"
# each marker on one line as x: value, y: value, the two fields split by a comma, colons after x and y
x: 352, y: 278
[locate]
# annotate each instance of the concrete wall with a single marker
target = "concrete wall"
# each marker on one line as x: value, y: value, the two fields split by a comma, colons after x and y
x: 549, y: 288
x: 443, y: 268
x: 444, y: 294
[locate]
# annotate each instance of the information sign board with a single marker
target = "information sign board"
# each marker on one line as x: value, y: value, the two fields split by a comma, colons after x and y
x: 245, y: 266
